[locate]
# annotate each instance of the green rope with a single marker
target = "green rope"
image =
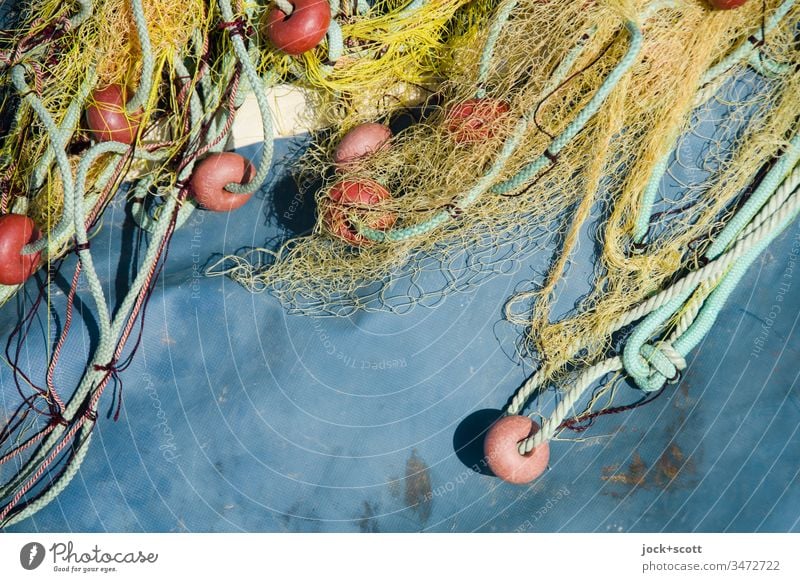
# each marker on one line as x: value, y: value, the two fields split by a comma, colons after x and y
x: 142, y: 93
x: 258, y: 87
x: 68, y: 125
x: 577, y: 124
x: 491, y: 42
x: 645, y: 363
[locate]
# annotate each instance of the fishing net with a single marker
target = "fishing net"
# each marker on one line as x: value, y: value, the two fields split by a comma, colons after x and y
x: 667, y: 264
x: 569, y: 99
x: 176, y: 73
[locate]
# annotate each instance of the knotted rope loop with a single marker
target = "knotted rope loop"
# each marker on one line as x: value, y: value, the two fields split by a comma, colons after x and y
x: 655, y: 366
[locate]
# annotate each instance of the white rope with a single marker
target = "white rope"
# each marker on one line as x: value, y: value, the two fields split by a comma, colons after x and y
x: 571, y: 396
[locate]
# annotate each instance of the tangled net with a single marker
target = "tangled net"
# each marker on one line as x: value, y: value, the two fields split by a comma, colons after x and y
x: 578, y: 96
x: 180, y: 72
x: 667, y: 265
x: 553, y: 111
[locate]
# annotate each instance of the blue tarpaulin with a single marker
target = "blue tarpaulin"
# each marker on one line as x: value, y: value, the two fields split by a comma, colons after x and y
x: 239, y: 416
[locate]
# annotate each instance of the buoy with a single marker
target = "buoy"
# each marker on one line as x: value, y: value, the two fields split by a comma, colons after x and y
x: 502, y: 454
x: 726, y: 4
x: 474, y: 120
x: 301, y: 30
x: 107, y: 118
x: 359, y: 142
x: 16, y: 231
x: 343, y: 200
x: 213, y: 173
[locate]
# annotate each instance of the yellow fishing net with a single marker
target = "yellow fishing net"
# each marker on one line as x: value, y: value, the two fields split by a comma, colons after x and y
x: 551, y: 62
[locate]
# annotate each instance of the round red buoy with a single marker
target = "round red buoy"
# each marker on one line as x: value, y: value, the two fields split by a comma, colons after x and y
x: 301, y: 30
x: 213, y: 173
x: 107, y: 118
x: 16, y: 231
x: 345, y: 198
x: 475, y: 119
x: 360, y: 142
x: 726, y: 4
x: 502, y: 454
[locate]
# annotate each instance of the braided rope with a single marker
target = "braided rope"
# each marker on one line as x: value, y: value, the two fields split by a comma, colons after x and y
x: 568, y: 401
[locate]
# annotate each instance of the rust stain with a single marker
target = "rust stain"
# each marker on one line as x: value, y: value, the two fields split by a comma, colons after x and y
x: 670, y: 465
x: 634, y: 475
x: 418, y: 487
x: 669, y: 471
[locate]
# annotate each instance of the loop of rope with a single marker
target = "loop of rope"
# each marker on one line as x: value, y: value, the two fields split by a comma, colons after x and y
x: 284, y: 6
x: 257, y: 85
x: 655, y: 365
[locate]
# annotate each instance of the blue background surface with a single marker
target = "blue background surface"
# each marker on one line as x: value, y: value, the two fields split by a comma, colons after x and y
x: 241, y: 417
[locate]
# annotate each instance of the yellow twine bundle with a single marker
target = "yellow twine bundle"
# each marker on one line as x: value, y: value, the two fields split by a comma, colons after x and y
x: 391, y: 55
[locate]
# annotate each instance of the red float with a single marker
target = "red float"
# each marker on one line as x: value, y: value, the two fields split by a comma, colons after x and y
x: 475, y: 119
x: 107, y: 118
x: 726, y: 4
x: 502, y: 454
x: 359, y: 142
x: 301, y: 30
x: 213, y: 173
x: 345, y: 198
x: 16, y: 231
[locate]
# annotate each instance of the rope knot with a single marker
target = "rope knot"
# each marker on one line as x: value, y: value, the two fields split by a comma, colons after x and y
x: 57, y: 419
x: 664, y: 364
x: 109, y: 367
